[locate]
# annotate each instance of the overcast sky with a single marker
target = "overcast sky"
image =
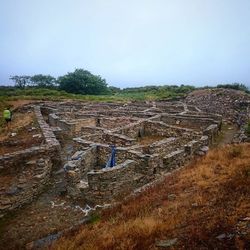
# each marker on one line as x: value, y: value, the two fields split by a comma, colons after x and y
x: 128, y: 42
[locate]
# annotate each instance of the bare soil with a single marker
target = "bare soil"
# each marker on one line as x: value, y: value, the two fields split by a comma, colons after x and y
x: 21, y: 133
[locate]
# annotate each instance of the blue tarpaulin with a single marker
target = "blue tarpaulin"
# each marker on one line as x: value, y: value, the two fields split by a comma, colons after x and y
x: 111, y: 162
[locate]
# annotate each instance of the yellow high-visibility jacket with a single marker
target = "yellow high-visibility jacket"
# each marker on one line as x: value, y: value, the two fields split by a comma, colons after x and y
x: 6, y: 114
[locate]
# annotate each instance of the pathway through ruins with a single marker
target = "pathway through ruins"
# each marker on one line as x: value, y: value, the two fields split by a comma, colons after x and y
x: 226, y: 136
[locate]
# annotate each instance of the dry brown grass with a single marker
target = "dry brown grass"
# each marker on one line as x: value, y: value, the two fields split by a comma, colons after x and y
x: 212, y: 197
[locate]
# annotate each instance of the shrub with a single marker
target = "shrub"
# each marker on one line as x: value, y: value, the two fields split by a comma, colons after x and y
x: 234, y: 152
x: 248, y: 128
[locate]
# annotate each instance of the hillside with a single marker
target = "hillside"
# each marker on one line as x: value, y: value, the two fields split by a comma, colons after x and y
x: 203, y: 206
x: 227, y: 102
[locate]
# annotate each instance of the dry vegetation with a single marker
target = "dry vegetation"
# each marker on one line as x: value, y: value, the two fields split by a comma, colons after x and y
x: 207, y: 199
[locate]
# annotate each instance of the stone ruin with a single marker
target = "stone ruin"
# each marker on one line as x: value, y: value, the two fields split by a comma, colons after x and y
x: 151, y: 139
x: 233, y: 105
x: 175, y: 132
x: 25, y: 173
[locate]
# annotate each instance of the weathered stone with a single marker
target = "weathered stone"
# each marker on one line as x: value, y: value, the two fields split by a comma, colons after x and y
x: 171, y: 197
x: 166, y: 243
x: 77, y: 155
x: 13, y: 190
x: 5, y: 201
x: 31, y: 174
x: 4, y: 207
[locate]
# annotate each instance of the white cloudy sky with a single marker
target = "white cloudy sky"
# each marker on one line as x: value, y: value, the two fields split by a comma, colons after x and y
x: 129, y: 43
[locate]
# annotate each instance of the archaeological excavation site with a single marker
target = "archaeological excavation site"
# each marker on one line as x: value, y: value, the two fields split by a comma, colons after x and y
x: 61, y: 170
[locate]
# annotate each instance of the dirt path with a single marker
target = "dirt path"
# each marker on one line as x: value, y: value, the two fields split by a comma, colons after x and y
x: 226, y: 136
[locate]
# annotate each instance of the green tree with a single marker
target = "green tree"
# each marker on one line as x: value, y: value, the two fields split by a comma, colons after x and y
x: 43, y: 81
x: 83, y: 82
x: 114, y: 90
x: 20, y: 81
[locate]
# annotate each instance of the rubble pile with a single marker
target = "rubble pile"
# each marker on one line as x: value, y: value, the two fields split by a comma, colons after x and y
x: 226, y: 102
x: 233, y: 105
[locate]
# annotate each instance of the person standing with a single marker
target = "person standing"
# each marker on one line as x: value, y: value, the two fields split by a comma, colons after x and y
x: 7, y: 115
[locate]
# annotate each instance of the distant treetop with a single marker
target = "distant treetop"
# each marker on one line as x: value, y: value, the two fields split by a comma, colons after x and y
x: 83, y: 82
x: 236, y: 86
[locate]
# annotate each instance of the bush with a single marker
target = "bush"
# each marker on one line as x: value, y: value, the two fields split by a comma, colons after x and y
x: 248, y: 129
x: 234, y: 152
x: 83, y: 82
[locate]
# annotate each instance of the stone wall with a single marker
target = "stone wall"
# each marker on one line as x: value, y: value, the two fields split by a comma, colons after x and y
x: 133, y: 130
x: 192, y: 122
x: 110, y: 138
x: 25, y: 173
x: 109, y: 183
x: 104, y: 151
x: 105, y: 184
x: 175, y: 159
x: 211, y: 131
x: 72, y: 126
x: 111, y: 123
x: 25, y: 184
x: 182, y: 133
x: 162, y: 129
x: 165, y: 146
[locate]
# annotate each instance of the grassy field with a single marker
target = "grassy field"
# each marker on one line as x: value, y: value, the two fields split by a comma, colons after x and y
x: 130, y: 94
x: 203, y: 206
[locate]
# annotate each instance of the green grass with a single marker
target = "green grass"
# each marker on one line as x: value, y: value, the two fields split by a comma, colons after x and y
x: 94, y: 218
x: 10, y: 94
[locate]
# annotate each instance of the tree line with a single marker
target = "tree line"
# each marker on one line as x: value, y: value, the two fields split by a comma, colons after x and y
x: 78, y: 82
x: 236, y: 86
x: 84, y: 82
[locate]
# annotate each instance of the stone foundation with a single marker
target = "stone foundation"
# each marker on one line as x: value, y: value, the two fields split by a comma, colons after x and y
x: 25, y: 173
x: 150, y: 139
x: 183, y: 131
